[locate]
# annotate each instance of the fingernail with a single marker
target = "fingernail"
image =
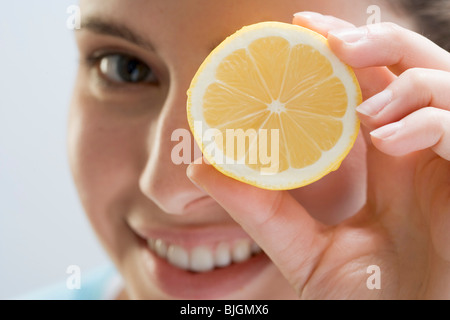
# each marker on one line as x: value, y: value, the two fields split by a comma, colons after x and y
x: 387, y: 131
x: 349, y: 36
x: 191, y: 175
x: 189, y: 171
x: 376, y: 104
x: 309, y: 15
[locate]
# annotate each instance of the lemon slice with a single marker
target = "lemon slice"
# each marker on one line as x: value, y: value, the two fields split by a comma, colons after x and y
x: 273, y: 107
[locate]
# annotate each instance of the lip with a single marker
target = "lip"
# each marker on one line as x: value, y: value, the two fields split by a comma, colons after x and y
x: 215, y: 284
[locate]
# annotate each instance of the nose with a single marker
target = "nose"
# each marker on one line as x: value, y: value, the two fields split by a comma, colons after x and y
x: 164, y: 179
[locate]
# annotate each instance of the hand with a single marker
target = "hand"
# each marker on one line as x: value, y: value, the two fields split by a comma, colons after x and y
x: 405, y: 226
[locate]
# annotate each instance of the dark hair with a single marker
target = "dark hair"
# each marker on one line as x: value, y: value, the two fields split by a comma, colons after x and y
x: 432, y: 18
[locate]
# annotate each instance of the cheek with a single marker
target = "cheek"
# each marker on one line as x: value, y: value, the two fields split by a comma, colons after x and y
x: 340, y: 194
x: 105, y: 156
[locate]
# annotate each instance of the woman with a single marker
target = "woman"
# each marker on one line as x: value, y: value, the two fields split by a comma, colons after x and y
x: 385, y: 213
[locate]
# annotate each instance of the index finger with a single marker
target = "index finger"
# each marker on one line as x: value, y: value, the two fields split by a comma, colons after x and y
x: 372, y: 79
x: 387, y: 44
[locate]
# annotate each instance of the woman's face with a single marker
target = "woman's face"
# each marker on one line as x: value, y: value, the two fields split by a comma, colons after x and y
x: 167, y: 237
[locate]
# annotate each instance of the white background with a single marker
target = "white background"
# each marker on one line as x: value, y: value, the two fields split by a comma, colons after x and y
x: 43, y: 229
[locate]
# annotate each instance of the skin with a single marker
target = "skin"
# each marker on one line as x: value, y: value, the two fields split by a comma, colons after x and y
x: 358, y: 216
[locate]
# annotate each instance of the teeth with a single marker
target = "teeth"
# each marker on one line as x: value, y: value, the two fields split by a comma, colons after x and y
x: 178, y: 257
x: 241, y: 251
x: 223, y: 255
x: 161, y: 248
x: 202, y: 258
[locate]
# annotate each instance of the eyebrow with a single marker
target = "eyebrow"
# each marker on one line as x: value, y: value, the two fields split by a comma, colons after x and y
x: 116, y: 29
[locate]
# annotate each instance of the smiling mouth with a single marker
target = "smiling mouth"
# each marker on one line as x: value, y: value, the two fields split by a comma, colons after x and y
x: 201, y: 259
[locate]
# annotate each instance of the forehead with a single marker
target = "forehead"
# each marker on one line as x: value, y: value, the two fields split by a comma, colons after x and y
x: 167, y: 20
x: 208, y: 19
x: 183, y: 32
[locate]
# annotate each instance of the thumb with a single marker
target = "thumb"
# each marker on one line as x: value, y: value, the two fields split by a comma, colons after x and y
x: 274, y: 219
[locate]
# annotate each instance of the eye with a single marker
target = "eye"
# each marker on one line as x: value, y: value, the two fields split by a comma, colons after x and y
x: 125, y: 69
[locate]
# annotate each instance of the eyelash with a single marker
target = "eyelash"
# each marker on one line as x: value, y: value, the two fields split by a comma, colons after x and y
x: 107, y: 63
